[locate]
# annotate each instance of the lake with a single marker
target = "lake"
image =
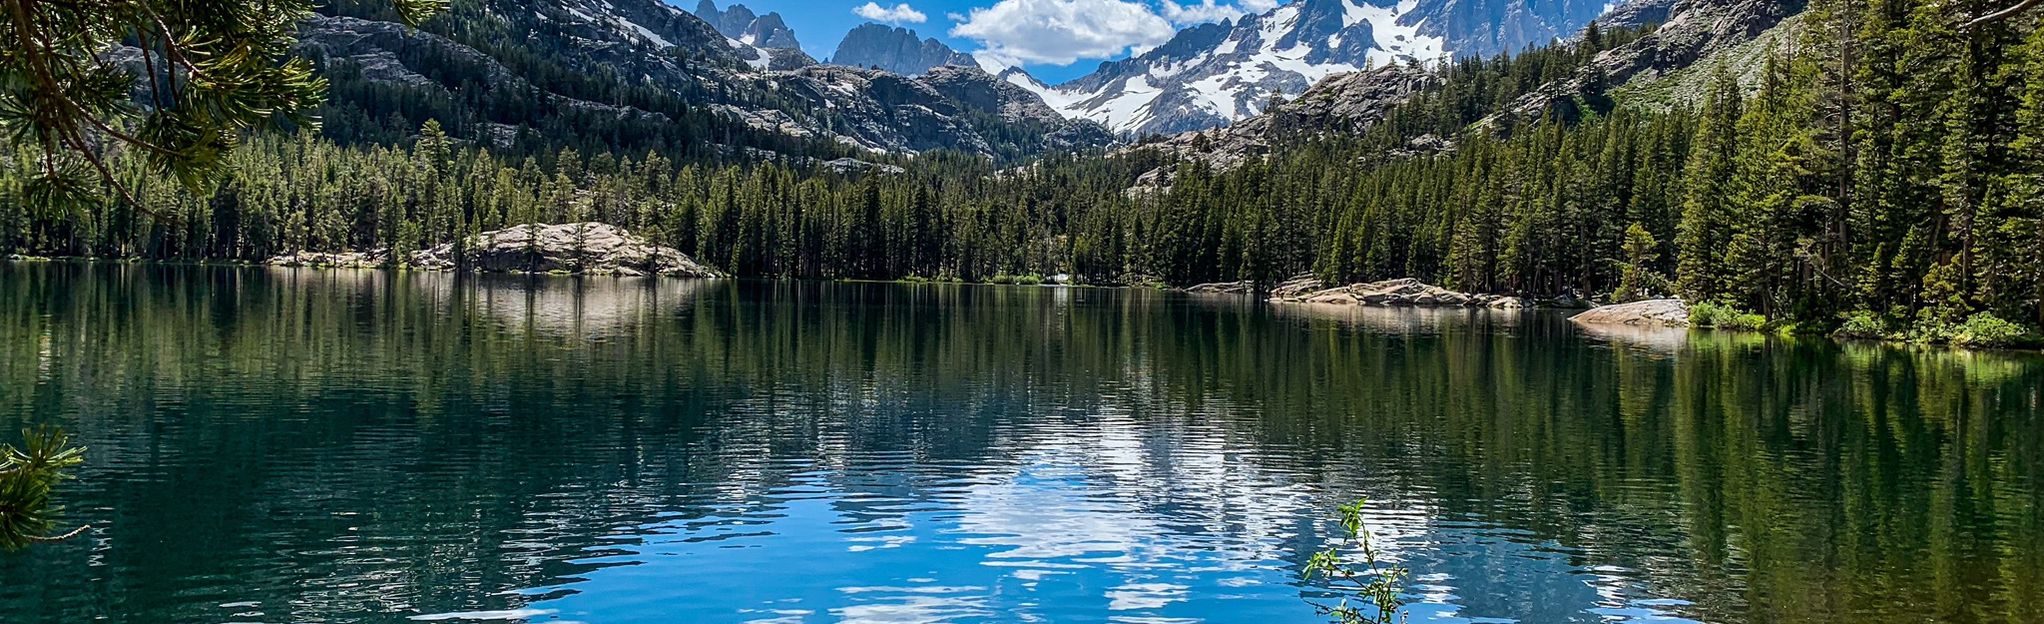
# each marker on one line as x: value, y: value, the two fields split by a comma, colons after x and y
x: 272, y: 445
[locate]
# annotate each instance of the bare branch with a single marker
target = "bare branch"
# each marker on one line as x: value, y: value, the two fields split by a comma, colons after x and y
x: 2003, y: 14
x: 58, y: 538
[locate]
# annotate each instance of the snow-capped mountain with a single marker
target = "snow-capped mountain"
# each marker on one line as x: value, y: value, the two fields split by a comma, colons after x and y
x: 1212, y: 74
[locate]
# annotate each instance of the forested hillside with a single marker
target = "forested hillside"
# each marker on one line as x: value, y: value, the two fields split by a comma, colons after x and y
x: 1888, y: 166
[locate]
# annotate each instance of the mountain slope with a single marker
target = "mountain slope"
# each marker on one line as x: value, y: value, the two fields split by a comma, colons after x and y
x: 634, y: 75
x: 1689, y: 34
x: 1213, y: 74
x: 1693, y: 30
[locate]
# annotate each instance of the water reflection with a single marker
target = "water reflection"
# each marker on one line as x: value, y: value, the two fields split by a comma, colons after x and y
x: 364, y: 446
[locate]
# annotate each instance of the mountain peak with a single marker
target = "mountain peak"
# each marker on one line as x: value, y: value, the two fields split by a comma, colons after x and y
x: 895, y: 49
x: 740, y: 23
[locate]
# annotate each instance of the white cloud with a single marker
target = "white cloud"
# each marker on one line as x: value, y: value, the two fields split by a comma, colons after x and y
x: 899, y: 14
x: 1060, y: 32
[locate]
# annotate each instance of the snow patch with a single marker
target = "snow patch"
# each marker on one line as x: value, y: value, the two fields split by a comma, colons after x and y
x: 648, y: 34
x: 1395, y: 42
x: 987, y: 63
x: 759, y: 59
x: 1129, y: 109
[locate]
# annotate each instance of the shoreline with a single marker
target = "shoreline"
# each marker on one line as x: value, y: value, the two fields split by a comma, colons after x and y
x: 1650, y: 314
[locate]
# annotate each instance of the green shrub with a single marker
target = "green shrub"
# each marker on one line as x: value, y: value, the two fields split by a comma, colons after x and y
x: 1862, y: 324
x: 1701, y: 313
x: 1744, y: 320
x: 1707, y: 314
x: 1931, y: 330
x: 1030, y: 279
x: 1987, y: 330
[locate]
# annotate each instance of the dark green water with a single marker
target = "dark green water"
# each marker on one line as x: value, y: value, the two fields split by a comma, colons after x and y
x: 366, y: 447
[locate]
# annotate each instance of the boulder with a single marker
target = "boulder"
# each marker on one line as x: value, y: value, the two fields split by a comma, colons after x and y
x: 1337, y: 296
x: 1652, y: 312
x: 1297, y: 286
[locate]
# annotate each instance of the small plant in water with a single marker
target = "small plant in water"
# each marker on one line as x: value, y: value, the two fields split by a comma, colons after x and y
x: 1373, y: 584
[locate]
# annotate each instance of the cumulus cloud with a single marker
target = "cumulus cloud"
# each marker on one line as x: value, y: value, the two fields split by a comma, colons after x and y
x: 900, y: 13
x: 1213, y: 11
x: 1060, y: 32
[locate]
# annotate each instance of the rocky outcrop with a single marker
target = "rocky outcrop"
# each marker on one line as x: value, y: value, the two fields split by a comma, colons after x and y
x: 1636, y: 14
x: 1401, y: 292
x: 330, y: 259
x: 854, y: 166
x: 1291, y: 288
x: 1223, y: 288
x: 1649, y: 313
x: 896, y: 50
x: 1348, y: 103
x: 579, y: 248
x: 1394, y: 292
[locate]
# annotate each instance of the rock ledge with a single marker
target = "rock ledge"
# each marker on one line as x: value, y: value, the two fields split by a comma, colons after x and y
x: 1649, y: 313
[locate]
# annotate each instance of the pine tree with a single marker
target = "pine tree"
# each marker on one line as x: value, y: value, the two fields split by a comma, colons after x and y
x: 1707, y: 218
x: 1636, y: 279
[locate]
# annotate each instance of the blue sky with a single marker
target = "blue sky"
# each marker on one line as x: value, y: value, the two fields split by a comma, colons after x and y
x: 1056, y: 40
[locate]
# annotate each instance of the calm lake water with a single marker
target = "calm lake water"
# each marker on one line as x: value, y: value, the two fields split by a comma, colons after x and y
x: 277, y: 446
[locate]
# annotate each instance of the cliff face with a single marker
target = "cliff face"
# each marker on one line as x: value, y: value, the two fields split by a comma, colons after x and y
x: 894, y: 49
x: 1690, y: 31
